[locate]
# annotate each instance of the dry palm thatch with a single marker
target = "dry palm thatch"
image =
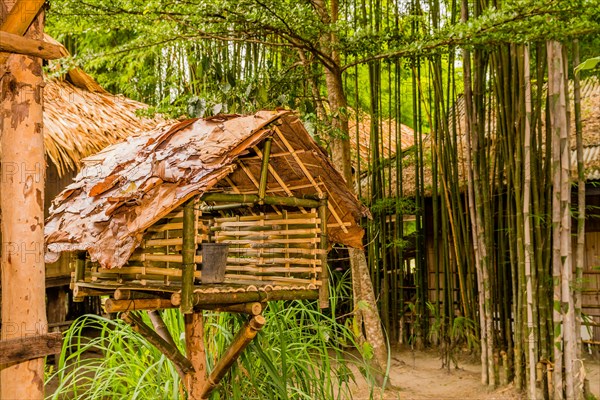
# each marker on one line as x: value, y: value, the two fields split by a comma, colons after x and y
x: 81, y: 118
x: 129, y: 186
x: 360, y: 134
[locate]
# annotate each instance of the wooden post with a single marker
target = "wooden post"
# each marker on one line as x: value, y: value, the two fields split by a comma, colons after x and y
x: 241, y: 340
x: 22, y: 204
x: 324, y: 289
x: 188, y: 254
x: 196, y: 354
x: 264, y: 171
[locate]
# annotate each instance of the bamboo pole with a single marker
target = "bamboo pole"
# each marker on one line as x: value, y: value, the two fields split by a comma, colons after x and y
x: 324, y: 289
x: 264, y: 171
x: 240, y: 342
x: 114, y: 306
x: 127, y: 294
x: 168, y: 348
x: 268, y: 200
x: 200, y: 299
x: 188, y: 253
x: 160, y: 327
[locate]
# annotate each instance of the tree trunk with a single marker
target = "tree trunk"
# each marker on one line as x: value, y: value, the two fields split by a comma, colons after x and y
x: 340, y: 144
x: 22, y: 202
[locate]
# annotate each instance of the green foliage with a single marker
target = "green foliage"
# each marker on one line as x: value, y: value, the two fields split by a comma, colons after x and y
x: 394, y: 205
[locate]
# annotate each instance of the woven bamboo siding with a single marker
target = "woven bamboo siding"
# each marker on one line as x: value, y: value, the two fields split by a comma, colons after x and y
x: 591, y: 282
x: 276, y: 248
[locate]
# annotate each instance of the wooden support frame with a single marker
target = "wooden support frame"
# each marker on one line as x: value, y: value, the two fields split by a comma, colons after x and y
x: 19, y: 18
x: 182, y: 364
x: 17, y: 44
x: 324, y: 289
x: 202, y: 299
x: 188, y: 254
x: 240, y: 342
x: 309, y: 176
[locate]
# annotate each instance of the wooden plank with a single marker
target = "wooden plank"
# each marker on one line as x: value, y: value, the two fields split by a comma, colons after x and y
x: 30, y: 347
x: 17, y: 44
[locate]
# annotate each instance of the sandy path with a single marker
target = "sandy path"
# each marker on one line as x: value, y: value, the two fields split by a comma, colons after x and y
x: 417, y: 375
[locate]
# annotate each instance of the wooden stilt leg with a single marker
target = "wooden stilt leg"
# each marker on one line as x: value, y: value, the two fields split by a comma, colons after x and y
x: 241, y: 340
x: 194, y: 341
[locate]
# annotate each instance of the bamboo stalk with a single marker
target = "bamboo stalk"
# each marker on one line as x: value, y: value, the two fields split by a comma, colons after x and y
x: 264, y: 171
x: 267, y: 233
x: 188, y: 256
x: 274, y: 218
x: 161, y: 328
x: 171, y: 272
x: 182, y: 364
x: 307, y: 240
x: 255, y: 308
x: 270, y: 261
x: 113, y: 306
x: 324, y: 289
x: 269, y: 200
x: 81, y: 292
x: 200, y: 299
x: 128, y: 294
x: 240, y: 342
x: 175, y: 258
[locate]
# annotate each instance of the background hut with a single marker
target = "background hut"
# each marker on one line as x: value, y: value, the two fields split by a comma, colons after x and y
x: 590, y: 105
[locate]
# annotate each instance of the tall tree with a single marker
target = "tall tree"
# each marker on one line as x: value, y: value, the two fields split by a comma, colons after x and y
x: 22, y: 200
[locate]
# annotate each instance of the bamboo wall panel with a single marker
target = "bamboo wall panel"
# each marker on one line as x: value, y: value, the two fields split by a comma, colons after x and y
x: 272, y: 247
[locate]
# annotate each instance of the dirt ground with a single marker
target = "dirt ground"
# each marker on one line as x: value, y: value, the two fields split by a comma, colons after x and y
x: 418, y: 375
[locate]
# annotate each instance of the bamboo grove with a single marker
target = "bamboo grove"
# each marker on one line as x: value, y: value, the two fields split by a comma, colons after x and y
x: 470, y: 240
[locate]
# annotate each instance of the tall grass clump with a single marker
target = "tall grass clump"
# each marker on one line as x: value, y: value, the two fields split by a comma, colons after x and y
x: 301, y: 353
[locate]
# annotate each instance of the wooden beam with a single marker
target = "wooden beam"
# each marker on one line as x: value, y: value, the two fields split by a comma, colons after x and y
x: 19, y: 18
x: 30, y: 347
x: 11, y: 43
x: 240, y: 342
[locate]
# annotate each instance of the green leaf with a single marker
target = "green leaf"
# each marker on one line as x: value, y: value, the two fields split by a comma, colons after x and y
x: 590, y: 63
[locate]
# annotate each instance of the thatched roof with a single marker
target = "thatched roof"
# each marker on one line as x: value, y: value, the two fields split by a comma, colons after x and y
x: 81, y: 118
x: 360, y: 137
x: 127, y: 187
x: 79, y: 122
x: 590, y: 116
